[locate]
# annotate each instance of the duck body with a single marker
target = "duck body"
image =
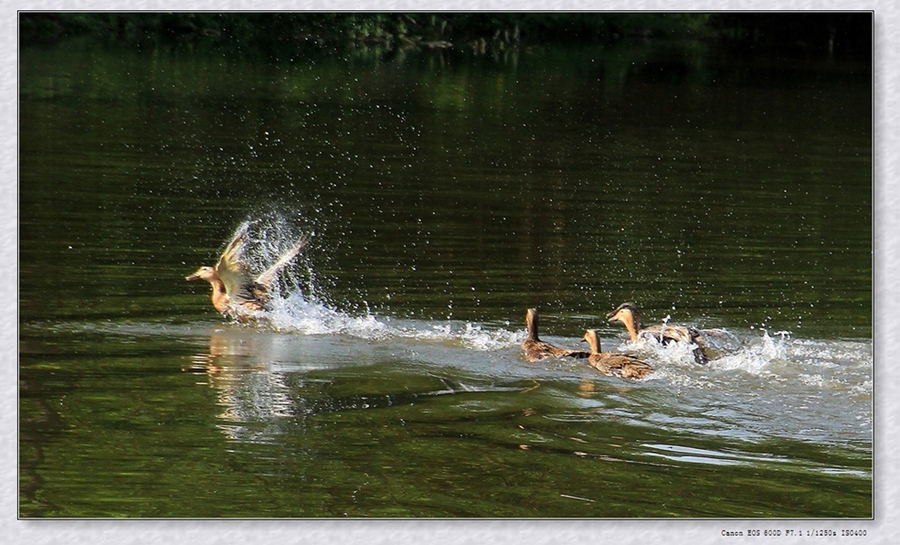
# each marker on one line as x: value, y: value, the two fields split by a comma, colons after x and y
x: 236, y: 293
x: 252, y: 296
x: 630, y: 315
x: 613, y: 364
x: 536, y: 349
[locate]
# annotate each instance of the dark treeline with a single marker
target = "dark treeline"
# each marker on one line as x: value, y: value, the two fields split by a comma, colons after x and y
x: 846, y: 34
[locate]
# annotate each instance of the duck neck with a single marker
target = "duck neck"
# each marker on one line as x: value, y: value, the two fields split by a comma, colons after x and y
x: 532, y: 323
x: 633, y: 325
x: 219, y: 296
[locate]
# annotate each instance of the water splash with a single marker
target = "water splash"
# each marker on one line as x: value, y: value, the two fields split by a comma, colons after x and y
x: 756, y: 356
x: 299, y: 307
x: 270, y: 233
x: 295, y: 313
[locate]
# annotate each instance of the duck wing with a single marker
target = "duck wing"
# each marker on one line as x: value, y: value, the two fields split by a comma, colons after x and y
x: 239, y: 285
x: 577, y: 354
x: 538, y: 350
x: 267, y: 277
x: 634, y: 368
x: 675, y: 333
x: 620, y: 365
x: 681, y: 334
x: 720, y: 341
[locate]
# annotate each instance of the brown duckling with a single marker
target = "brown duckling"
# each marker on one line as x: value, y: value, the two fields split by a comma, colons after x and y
x: 235, y: 292
x: 612, y: 364
x: 536, y: 349
x: 630, y: 315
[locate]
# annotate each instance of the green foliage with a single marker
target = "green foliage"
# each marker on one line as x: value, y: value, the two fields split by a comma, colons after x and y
x: 355, y: 27
x: 815, y: 32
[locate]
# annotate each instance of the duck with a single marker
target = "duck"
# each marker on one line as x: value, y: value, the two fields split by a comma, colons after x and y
x: 536, y: 349
x: 613, y: 364
x: 630, y: 315
x: 236, y: 293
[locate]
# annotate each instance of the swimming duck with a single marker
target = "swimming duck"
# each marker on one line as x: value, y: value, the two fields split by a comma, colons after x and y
x: 612, y: 364
x: 630, y: 315
x: 536, y: 349
x: 235, y: 293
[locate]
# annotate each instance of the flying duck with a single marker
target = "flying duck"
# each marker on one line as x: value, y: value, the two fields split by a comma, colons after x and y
x: 235, y: 292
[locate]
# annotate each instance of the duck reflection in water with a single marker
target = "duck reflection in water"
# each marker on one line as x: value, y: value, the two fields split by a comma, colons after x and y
x: 536, y: 349
x: 251, y: 396
x: 236, y: 293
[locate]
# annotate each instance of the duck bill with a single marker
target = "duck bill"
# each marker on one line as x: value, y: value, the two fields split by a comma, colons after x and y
x: 194, y: 276
x: 611, y: 317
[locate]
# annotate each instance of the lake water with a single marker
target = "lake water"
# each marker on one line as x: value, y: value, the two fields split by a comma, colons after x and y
x: 443, y: 194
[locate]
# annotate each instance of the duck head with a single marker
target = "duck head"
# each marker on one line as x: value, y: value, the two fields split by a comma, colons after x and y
x: 592, y: 338
x: 203, y: 273
x: 628, y: 314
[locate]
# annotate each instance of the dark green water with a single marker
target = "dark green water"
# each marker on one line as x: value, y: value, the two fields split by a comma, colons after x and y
x: 444, y: 194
